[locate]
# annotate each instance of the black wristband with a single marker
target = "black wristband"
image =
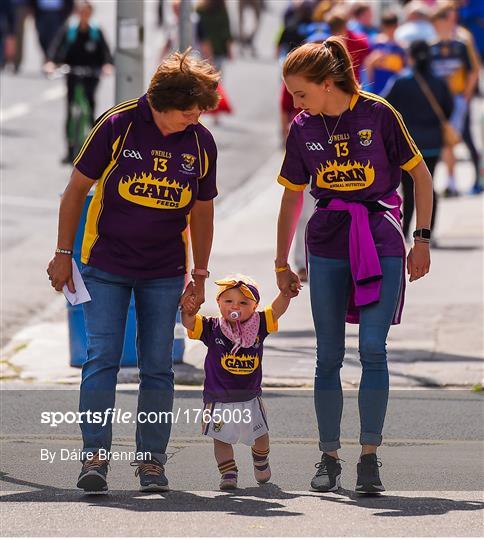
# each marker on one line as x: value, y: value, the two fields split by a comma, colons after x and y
x: 425, y: 234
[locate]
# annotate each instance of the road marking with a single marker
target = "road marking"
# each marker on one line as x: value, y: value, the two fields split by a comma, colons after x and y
x: 29, y: 202
x: 22, y: 109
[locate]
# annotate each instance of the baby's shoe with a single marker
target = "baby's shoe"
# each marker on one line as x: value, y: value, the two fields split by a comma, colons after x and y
x: 229, y: 472
x: 262, y: 469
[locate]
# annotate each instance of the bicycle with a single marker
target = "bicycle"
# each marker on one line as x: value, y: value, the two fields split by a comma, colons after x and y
x: 79, y: 113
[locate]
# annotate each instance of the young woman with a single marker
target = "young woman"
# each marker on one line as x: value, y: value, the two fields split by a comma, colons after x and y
x: 350, y: 146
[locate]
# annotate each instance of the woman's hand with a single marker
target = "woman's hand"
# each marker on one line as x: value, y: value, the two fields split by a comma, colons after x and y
x: 198, y: 291
x: 288, y: 283
x: 193, y: 296
x: 60, y: 272
x: 187, y: 300
x: 418, y: 261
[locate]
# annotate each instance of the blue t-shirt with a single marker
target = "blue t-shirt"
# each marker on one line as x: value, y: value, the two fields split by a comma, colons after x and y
x: 393, y: 63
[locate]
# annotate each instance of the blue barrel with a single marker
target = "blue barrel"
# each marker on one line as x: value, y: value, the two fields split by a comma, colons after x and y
x: 77, y: 329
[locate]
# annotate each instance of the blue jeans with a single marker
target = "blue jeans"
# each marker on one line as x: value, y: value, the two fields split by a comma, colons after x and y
x: 156, y: 302
x: 330, y: 284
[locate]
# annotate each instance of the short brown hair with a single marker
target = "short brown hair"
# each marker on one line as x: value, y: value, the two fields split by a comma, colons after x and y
x: 183, y: 82
x: 317, y: 62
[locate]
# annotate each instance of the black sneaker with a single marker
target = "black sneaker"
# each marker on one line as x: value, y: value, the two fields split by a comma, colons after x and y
x: 92, y: 478
x: 151, y: 475
x: 328, y: 475
x: 369, y: 475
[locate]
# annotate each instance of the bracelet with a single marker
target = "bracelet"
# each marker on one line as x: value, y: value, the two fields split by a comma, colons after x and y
x: 64, y: 251
x: 200, y: 272
x: 280, y: 269
x: 421, y: 241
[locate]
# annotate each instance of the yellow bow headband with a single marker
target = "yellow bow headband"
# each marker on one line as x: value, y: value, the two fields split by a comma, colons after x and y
x: 248, y: 290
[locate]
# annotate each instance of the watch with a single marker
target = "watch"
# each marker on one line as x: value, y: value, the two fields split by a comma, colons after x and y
x: 422, y: 233
x: 200, y: 272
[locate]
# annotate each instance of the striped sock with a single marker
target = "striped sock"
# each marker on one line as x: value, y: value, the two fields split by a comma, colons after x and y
x: 228, y: 467
x: 229, y: 472
x: 261, y: 459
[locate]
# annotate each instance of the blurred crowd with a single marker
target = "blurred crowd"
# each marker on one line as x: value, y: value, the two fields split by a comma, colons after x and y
x: 381, y: 48
x: 401, y: 50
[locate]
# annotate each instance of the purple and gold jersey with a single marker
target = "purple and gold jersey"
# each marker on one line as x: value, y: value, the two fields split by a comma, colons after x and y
x: 147, y: 184
x: 231, y: 378
x: 363, y: 164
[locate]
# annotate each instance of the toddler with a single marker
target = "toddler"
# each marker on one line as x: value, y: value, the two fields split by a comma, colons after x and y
x: 233, y: 407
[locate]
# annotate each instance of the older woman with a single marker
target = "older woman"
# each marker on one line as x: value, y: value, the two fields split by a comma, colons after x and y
x: 155, y: 168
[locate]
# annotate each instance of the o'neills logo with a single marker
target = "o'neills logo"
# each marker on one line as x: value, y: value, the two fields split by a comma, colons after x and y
x: 153, y: 192
x: 348, y: 176
x: 240, y: 365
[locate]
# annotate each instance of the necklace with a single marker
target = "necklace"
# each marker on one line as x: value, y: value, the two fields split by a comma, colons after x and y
x: 330, y: 135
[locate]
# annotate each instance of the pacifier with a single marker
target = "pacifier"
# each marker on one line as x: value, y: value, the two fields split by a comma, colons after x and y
x: 234, y: 315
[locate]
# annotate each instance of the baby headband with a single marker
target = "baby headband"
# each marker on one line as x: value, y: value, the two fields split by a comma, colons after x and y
x: 248, y: 290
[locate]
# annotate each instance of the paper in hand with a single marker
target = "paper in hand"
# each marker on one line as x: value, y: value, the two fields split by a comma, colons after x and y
x: 82, y: 294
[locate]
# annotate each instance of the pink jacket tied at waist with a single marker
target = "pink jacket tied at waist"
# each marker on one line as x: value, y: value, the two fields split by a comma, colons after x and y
x: 364, y: 261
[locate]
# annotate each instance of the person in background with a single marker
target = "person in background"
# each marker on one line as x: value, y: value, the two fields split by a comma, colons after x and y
x: 215, y: 40
x: 49, y: 17
x: 417, y: 25
x: 406, y: 95
x: 361, y: 21
x: 21, y: 12
x: 80, y: 45
x: 357, y: 44
x: 471, y: 15
x: 387, y: 58
x: 213, y: 32
x: 246, y: 39
x: 455, y: 59
x: 297, y: 18
x: 7, y: 34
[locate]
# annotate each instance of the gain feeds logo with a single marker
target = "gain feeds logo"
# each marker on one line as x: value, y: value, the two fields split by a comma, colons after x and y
x: 153, y: 192
x: 240, y: 365
x: 365, y: 136
x: 188, y: 162
x: 348, y: 176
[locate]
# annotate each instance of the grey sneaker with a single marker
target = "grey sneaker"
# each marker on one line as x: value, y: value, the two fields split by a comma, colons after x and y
x: 92, y: 478
x: 151, y: 475
x: 328, y: 475
x: 368, y: 480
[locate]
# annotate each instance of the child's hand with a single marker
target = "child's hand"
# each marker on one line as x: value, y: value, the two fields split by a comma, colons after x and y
x: 187, y: 301
x: 189, y: 305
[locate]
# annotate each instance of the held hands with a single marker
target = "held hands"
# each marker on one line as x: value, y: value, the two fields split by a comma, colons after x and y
x: 60, y: 272
x: 193, y: 296
x: 418, y: 261
x: 288, y: 283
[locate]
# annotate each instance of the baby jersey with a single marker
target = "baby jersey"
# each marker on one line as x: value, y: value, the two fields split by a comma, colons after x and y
x: 231, y: 377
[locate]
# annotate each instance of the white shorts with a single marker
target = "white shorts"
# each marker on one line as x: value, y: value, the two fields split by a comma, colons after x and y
x: 244, y: 421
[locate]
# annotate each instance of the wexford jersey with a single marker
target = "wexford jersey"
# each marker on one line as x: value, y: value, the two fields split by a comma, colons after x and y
x: 363, y: 164
x: 147, y: 184
x: 231, y: 378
